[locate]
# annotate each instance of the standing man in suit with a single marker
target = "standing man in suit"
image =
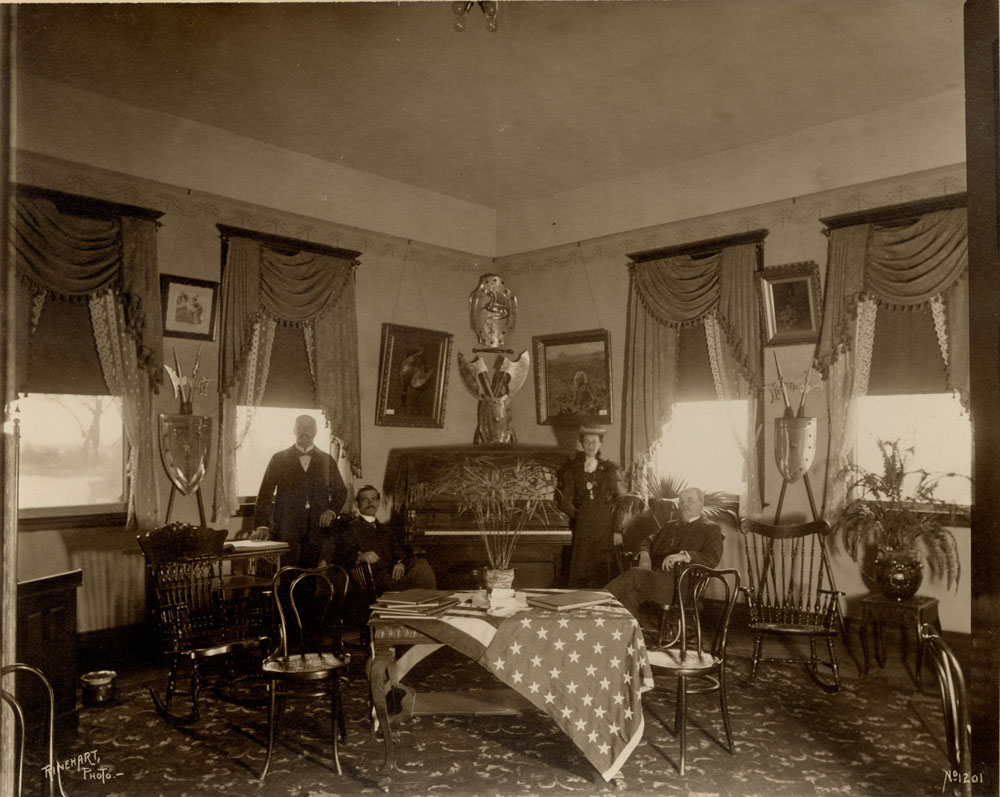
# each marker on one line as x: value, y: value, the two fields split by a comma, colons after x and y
x: 299, y: 497
x: 365, y: 539
x: 690, y: 539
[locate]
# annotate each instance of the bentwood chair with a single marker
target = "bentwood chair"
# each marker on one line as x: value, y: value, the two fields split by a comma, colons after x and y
x: 958, y: 732
x: 791, y: 592
x: 309, y: 658
x: 50, y: 776
x: 697, y: 658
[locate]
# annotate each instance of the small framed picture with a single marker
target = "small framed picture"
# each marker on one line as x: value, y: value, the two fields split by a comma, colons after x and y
x: 189, y: 307
x: 573, y: 378
x: 413, y: 376
x: 790, y: 303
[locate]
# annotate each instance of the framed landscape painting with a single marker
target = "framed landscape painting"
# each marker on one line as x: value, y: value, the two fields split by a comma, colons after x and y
x: 573, y: 378
x: 790, y: 303
x: 413, y: 376
x: 188, y: 307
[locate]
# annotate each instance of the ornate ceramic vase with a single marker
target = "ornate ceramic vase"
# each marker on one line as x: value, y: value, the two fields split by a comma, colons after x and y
x: 898, y: 573
x: 499, y: 579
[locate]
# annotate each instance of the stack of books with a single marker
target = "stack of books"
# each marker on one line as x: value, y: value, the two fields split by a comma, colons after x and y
x: 413, y: 603
x: 564, y: 601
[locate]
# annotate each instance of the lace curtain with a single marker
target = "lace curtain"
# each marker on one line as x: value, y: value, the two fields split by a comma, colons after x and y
x: 262, y: 287
x: 110, y: 263
x: 908, y: 265
x: 670, y: 293
x: 125, y: 380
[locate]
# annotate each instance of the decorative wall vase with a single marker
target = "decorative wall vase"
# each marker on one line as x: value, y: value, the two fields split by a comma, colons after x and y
x: 499, y: 579
x: 794, y: 446
x: 185, y: 441
x: 898, y: 573
x: 492, y: 310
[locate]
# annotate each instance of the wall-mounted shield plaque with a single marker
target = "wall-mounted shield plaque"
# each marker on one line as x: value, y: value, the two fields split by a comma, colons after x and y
x: 185, y: 441
x: 794, y: 446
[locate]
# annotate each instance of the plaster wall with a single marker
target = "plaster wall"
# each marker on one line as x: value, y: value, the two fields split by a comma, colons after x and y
x: 906, y: 138
x: 56, y: 120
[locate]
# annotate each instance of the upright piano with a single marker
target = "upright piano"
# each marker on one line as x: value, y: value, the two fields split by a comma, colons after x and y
x: 429, y: 516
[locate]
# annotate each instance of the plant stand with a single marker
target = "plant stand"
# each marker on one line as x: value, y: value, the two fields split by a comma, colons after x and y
x: 877, y: 610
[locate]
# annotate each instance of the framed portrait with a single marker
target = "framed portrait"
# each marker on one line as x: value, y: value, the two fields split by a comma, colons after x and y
x: 189, y: 307
x: 573, y: 378
x: 413, y: 376
x: 790, y: 303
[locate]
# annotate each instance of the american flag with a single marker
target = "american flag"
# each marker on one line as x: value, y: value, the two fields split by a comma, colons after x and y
x: 586, y: 668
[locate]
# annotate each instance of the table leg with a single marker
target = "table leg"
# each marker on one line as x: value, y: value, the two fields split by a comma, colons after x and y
x: 378, y: 679
x: 879, y: 634
x: 863, y: 633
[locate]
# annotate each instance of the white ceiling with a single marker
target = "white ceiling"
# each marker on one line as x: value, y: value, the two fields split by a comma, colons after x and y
x: 566, y: 94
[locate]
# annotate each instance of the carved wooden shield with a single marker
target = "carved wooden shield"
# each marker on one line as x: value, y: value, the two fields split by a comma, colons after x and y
x: 185, y: 441
x: 794, y: 446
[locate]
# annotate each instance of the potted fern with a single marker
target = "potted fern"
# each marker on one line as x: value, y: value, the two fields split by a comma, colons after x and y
x: 903, y: 525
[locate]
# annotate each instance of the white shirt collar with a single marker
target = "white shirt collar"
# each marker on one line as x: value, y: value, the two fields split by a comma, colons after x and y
x: 304, y: 451
x: 369, y: 518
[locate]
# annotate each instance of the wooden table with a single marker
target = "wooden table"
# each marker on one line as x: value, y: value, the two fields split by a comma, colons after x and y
x: 877, y: 610
x: 586, y: 668
x: 252, y: 563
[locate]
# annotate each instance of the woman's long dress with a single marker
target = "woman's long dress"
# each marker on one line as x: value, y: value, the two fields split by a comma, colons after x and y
x: 587, y: 498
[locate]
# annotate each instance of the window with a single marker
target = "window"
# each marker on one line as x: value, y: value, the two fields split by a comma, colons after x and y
x: 908, y: 400
x: 704, y: 445
x: 72, y: 453
x: 270, y: 431
x: 932, y: 424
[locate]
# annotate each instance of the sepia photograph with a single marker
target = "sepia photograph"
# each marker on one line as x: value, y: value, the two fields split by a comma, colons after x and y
x: 743, y: 240
x: 188, y: 307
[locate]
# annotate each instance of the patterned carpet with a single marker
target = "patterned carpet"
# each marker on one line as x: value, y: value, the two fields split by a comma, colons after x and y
x: 871, y: 738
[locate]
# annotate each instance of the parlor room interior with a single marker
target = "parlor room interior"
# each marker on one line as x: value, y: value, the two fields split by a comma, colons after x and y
x: 752, y: 242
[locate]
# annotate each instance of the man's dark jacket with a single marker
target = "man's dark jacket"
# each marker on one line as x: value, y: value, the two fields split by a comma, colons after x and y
x: 291, y: 499
x: 701, y: 538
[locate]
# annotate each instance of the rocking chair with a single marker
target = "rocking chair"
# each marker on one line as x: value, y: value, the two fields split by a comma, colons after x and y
x: 791, y: 592
x: 197, y: 614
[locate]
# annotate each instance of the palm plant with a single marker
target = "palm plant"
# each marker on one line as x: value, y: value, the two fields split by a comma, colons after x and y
x: 887, y: 514
x: 719, y: 505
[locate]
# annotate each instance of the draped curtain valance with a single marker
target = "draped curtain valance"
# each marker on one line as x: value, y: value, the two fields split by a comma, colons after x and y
x: 263, y: 285
x: 672, y: 292
x: 904, y: 265
x: 76, y: 257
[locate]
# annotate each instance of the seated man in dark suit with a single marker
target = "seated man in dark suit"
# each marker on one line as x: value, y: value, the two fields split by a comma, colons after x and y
x: 365, y: 539
x: 690, y: 539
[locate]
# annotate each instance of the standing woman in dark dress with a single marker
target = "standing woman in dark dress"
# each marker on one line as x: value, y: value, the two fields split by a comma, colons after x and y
x: 588, y: 486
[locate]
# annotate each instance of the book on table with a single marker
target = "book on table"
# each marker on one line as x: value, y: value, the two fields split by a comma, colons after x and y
x: 415, y: 596
x: 402, y: 611
x: 256, y: 546
x: 575, y: 599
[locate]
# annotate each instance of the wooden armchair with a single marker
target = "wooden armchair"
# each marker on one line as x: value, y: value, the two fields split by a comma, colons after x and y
x: 197, y: 612
x: 790, y: 592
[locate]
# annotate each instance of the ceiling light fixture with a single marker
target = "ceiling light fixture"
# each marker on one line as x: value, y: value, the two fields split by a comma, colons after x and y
x: 462, y: 9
